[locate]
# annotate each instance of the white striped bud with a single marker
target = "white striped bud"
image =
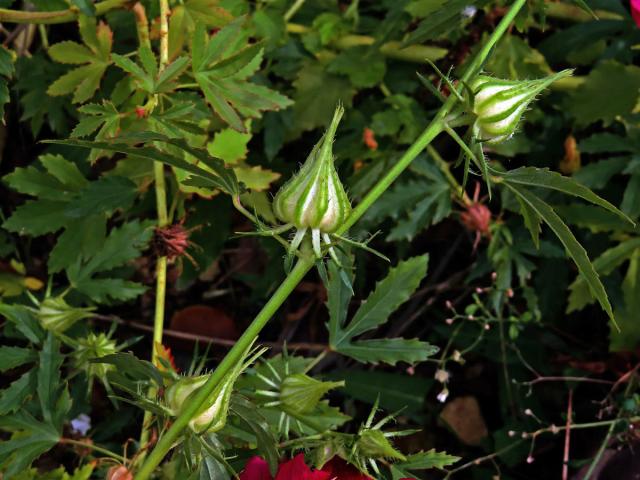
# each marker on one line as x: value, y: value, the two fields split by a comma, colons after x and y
x: 499, y: 104
x: 314, y: 197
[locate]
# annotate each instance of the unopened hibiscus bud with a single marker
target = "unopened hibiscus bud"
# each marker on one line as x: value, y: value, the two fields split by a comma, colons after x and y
x: 213, y: 414
x: 314, y: 198
x: 372, y: 443
x: 57, y: 315
x: 499, y: 104
x: 300, y: 393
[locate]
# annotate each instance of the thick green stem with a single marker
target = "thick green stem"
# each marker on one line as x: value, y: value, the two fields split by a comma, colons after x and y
x: 305, y: 263
x: 192, y: 407
x: 58, y: 16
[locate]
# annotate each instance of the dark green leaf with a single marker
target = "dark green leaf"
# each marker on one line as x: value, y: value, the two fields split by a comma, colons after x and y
x: 388, y: 350
x: 103, y: 196
x: 49, y: 376
x: 575, y: 250
x: 11, y: 357
x: 24, y: 321
x: 12, y: 397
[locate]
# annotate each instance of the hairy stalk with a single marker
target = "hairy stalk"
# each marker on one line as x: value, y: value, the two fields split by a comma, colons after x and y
x: 142, y: 25
x: 305, y: 263
x: 163, y: 221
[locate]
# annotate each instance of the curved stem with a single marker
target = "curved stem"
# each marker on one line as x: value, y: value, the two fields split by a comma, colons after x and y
x: 58, y: 16
x: 305, y: 263
x: 96, y: 448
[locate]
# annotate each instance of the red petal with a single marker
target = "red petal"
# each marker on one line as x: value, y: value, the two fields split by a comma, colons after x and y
x: 635, y: 11
x: 338, y: 469
x: 296, y: 469
x: 256, y: 469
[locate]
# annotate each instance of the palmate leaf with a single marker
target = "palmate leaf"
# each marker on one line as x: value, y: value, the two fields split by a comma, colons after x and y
x: 388, y: 295
x: 222, y: 65
x: 121, y: 246
x: 32, y: 440
x: 93, y: 56
x: 573, y: 247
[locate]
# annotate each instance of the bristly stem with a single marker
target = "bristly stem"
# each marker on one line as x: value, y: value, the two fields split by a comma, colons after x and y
x: 304, y: 264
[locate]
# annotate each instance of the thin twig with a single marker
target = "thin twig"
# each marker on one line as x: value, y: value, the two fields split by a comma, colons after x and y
x: 567, y: 438
x: 223, y: 342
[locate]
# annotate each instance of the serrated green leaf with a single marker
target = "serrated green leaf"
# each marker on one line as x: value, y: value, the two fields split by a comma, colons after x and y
x: 221, y: 66
x: 12, y: 397
x: 545, y: 178
x: 142, y: 78
x: 531, y: 220
x: 34, y: 182
x: 37, y: 217
x: 65, y: 171
x: 81, y: 238
x: 573, y: 247
x: 70, y: 52
x: 429, y: 459
x: 388, y: 350
x: 389, y: 294
x: 33, y: 440
x: 23, y: 321
x: 121, y: 246
x: 225, y: 178
x: 11, y: 357
x: 106, y: 194
x: 48, y: 379
x: 103, y: 290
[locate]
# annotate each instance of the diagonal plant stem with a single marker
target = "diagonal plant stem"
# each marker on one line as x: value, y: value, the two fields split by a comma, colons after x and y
x: 305, y: 263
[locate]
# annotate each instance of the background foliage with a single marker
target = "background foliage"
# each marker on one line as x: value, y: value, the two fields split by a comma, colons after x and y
x: 246, y: 91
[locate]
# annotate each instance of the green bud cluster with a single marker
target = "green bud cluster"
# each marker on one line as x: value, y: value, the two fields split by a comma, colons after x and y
x: 90, y: 347
x: 499, y: 104
x: 315, y: 198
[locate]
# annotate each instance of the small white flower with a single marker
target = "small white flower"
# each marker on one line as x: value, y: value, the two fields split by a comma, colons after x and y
x: 469, y: 11
x: 81, y: 424
x: 442, y: 396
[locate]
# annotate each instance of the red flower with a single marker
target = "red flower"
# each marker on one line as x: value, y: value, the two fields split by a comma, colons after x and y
x: 294, y: 469
x: 256, y: 469
x: 635, y: 11
x: 339, y: 469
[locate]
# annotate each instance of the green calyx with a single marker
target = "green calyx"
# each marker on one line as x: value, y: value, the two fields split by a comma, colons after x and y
x: 499, y: 104
x: 212, y: 417
x: 300, y: 393
x: 57, y: 315
x: 314, y: 197
x: 373, y: 443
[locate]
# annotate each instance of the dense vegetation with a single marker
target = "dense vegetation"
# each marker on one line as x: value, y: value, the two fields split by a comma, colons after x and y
x: 319, y: 239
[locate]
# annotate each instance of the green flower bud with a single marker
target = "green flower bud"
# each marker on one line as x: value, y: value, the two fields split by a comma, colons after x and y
x: 90, y: 347
x: 300, y: 393
x: 314, y: 198
x: 372, y: 443
x: 499, y: 104
x: 57, y: 315
x: 213, y: 414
